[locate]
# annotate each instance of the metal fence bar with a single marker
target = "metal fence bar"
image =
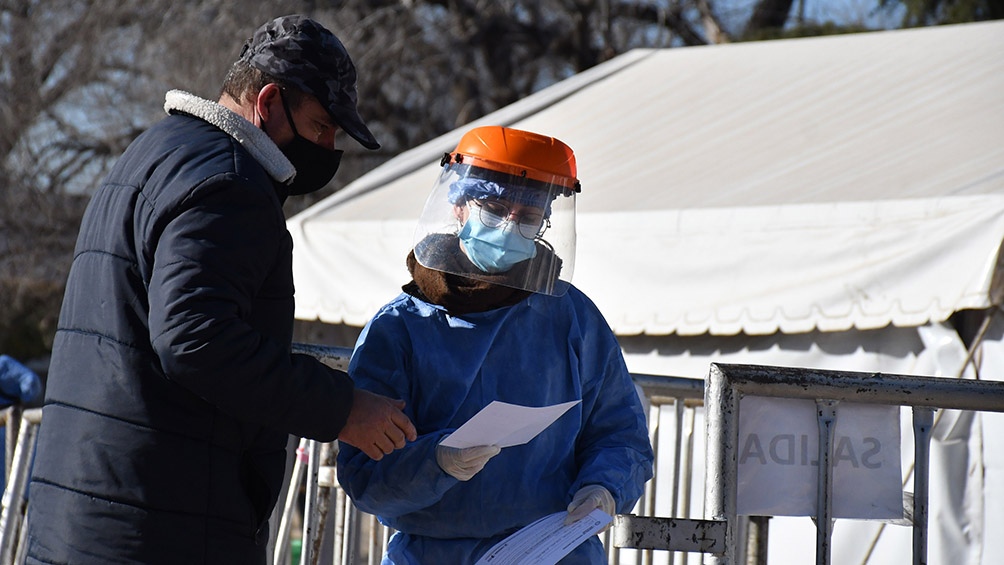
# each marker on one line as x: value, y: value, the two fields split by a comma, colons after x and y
x: 869, y: 388
x: 756, y: 540
x: 647, y: 532
x: 721, y: 412
x: 10, y: 418
x: 353, y: 526
x: 375, y: 552
x: 337, y: 357
x: 826, y: 416
x: 923, y: 422
x: 341, y: 510
x: 687, y: 464
x: 282, y: 541
x: 13, y: 500
x: 311, y: 515
x: 676, y: 497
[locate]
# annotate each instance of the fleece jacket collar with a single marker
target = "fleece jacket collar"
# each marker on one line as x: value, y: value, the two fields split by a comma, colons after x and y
x: 252, y: 138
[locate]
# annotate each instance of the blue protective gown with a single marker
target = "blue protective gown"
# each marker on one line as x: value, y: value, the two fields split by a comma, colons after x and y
x: 544, y: 350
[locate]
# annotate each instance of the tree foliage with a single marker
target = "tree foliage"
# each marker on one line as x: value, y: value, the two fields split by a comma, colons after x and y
x: 79, y: 79
x: 935, y: 12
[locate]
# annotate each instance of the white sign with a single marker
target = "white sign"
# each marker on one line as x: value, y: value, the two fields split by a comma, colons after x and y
x: 778, y: 459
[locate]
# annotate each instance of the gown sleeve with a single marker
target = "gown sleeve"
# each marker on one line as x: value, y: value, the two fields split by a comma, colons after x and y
x: 613, y: 449
x: 408, y: 479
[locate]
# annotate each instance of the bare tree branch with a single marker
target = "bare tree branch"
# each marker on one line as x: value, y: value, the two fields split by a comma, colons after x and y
x: 79, y: 79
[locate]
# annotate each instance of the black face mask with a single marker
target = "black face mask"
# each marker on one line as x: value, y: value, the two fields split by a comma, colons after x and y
x: 315, y: 166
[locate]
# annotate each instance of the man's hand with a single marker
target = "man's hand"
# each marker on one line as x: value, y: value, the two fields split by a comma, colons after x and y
x: 376, y: 425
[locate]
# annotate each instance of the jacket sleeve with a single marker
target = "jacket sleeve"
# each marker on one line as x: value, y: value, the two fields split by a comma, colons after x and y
x: 212, y: 311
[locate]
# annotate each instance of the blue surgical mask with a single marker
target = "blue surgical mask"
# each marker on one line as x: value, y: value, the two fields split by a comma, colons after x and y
x: 495, y: 250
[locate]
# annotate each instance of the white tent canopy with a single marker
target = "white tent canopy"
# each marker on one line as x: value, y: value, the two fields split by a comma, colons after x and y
x: 826, y: 183
x: 822, y: 202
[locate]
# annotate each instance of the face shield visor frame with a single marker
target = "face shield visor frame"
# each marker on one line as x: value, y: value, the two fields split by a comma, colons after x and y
x: 479, y: 190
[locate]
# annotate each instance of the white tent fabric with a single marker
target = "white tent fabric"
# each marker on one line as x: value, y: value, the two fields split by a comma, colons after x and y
x: 822, y: 183
x: 822, y: 202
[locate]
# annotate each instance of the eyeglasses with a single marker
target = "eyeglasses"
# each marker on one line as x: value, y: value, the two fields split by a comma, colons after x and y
x: 494, y: 214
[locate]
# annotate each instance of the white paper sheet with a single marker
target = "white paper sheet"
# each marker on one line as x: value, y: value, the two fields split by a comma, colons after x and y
x: 545, y: 541
x: 504, y: 424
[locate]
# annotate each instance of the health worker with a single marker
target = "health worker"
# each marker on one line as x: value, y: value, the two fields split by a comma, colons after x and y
x: 490, y: 314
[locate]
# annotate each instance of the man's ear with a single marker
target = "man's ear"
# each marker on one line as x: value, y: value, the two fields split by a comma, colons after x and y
x: 269, y: 100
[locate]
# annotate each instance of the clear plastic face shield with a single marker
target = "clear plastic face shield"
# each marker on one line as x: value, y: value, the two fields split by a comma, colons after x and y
x: 500, y: 224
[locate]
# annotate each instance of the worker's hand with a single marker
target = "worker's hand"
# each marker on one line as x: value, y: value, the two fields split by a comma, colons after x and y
x: 464, y: 463
x: 588, y: 498
x: 376, y: 425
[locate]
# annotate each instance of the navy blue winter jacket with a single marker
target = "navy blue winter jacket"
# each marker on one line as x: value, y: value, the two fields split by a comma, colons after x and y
x: 172, y: 389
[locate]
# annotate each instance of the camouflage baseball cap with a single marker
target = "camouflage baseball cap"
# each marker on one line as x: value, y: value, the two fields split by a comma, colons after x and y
x: 301, y: 51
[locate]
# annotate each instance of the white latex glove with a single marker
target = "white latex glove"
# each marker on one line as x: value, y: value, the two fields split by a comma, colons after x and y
x: 588, y: 498
x: 464, y: 463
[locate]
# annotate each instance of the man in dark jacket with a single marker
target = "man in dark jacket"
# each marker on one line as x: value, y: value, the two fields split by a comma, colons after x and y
x: 172, y: 388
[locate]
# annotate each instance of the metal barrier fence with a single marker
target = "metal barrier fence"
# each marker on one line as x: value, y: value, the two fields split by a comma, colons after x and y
x: 727, y: 384
x: 717, y: 535
x: 358, y: 538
